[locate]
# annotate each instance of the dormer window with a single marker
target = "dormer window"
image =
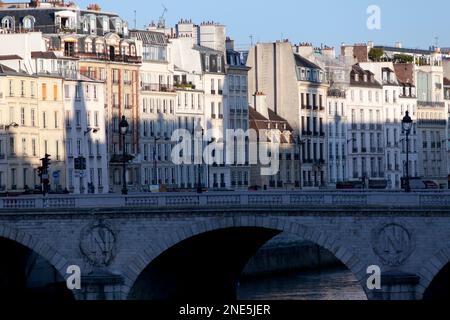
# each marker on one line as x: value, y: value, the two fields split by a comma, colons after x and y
x: 28, y: 22
x: 365, y: 78
x: 219, y: 63
x: 207, y: 63
x: 356, y: 77
x: 125, y: 29
x: 8, y: 23
x: 105, y: 24
x: 86, y: 25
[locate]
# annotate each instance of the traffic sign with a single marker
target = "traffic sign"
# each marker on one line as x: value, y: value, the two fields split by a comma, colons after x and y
x: 55, y: 175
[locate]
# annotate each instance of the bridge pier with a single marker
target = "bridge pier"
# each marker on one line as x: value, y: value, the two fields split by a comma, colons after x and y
x: 101, y: 285
x: 397, y: 286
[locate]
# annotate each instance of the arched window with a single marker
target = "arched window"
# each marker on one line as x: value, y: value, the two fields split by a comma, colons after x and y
x: 8, y: 22
x: 28, y: 22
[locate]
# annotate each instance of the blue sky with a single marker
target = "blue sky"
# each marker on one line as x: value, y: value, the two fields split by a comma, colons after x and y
x: 416, y: 24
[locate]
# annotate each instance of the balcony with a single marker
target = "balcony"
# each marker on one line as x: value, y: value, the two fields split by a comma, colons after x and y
x: 432, y: 104
x: 336, y: 93
x: 105, y: 57
x: 156, y: 87
x: 184, y: 86
x: 433, y: 122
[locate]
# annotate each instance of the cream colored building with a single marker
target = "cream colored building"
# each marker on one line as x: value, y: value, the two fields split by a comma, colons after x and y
x: 31, y: 120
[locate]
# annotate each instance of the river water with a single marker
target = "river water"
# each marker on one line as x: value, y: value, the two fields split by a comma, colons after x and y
x: 335, y: 284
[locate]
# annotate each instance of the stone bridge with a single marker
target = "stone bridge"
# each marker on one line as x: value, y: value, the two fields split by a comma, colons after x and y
x: 191, y: 246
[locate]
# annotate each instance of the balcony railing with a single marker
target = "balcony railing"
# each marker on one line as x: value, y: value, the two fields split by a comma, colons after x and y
x: 156, y: 87
x: 337, y: 93
x: 432, y: 104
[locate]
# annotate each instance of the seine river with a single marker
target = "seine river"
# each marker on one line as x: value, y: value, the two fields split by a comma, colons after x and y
x: 335, y: 284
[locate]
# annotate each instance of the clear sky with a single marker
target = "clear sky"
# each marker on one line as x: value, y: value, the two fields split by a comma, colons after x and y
x: 414, y: 23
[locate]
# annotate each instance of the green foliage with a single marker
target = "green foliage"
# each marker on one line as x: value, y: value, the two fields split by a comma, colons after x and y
x: 403, y: 58
x: 376, y: 54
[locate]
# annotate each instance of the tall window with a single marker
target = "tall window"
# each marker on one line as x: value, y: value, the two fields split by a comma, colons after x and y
x: 22, y: 116
x: 44, y: 91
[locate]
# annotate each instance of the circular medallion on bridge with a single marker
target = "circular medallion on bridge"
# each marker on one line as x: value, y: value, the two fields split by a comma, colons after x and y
x: 98, y: 244
x: 393, y: 244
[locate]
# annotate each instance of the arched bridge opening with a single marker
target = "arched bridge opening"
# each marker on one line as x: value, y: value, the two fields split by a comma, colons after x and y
x: 26, y: 275
x: 207, y: 266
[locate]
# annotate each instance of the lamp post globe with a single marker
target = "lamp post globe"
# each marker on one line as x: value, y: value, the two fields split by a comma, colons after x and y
x: 123, y: 126
x: 407, y: 124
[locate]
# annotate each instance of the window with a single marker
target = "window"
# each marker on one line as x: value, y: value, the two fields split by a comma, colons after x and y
x: 12, y: 151
x: 79, y: 147
x: 33, y: 147
x: 56, y: 118
x: 96, y: 119
x: 24, y: 146
x: 8, y: 22
x: 11, y: 88
x: 44, y: 120
x: 44, y: 91
x: 28, y: 22
x: 22, y: 88
x: 78, y: 118
x: 100, y: 177
x: 22, y: 116
x: 32, y: 89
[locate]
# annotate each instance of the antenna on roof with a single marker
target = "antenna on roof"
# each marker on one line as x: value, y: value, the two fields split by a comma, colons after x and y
x: 436, y: 42
x: 162, y: 20
x: 135, y: 20
x: 251, y: 40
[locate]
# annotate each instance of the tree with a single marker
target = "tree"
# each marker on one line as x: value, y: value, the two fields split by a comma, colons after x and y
x: 403, y: 58
x: 376, y: 54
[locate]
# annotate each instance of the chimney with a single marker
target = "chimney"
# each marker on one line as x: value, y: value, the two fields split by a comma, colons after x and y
x: 398, y: 45
x: 229, y: 43
x: 306, y: 50
x: 261, y: 104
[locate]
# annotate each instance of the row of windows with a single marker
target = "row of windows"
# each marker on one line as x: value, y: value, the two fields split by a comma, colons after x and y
x: 85, y: 92
x: 92, y: 179
x: 153, y: 105
x: 29, y: 147
x: 93, y: 148
x: 92, y: 119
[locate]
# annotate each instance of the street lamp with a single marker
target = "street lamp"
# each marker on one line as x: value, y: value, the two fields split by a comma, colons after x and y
x: 123, y: 131
x: 199, y: 178
x: 407, y: 124
x: 300, y: 144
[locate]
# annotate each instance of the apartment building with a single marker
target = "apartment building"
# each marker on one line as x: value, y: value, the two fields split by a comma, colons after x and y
x: 32, y: 122
x: 432, y: 119
x: 157, y: 110
x: 237, y: 112
x: 262, y: 119
x: 296, y: 89
x: 102, y: 44
x: 85, y: 136
x: 366, y: 156
x: 20, y: 144
x: 337, y: 70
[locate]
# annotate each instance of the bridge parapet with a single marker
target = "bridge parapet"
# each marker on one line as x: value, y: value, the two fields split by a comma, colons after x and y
x: 227, y: 199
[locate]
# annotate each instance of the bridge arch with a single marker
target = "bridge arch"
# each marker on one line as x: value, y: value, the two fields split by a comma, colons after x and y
x: 136, y: 265
x: 432, y: 269
x: 53, y: 257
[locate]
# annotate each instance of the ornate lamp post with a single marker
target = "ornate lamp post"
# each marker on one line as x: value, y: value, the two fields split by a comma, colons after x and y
x: 201, y: 131
x: 123, y: 131
x: 407, y: 124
